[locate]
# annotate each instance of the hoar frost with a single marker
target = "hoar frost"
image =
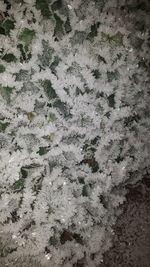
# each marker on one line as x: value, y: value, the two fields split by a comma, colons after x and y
x: 74, y: 126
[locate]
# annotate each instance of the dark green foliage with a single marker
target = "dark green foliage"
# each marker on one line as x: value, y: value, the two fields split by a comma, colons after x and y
x: 47, y: 55
x: 67, y: 26
x: 54, y: 64
x: 21, y: 75
x: 58, y: 31
x: 53, y: 241
x: 69, y: 236
x: 119, y: 159
x: 2, y: 68
x: 131, y: 119
x: 26, y: 36
x: 92, y: 163
x: 81, y: 180
x: 99, y: 94
x: 24, y: 173
x: 101, y: 59
x: 95, y: 140
x: 78, y: 238
x: 140, y: 25
x: 112, y: 75
x: 85, y: 191
x: 7, y: 26
x: 49, y: 90
x: 136, y: 42
x: 111, y: 100
x: 3, y: 126
x: 43, y: 6
x: 96, y: 74
x: 9, y: 58
x: 143, y: 64
x: 56, y: 5
x: 31, y: 166
x: 71, y: 69
x: 18, y: 185
x: 42, y: 151
x: 37, y: 187
x: 138, y: 5
x: 2, y: 30
x: 62, y: 108
x: 116, y: 39
x: 78, y: 38
x: 52, y: 116
x: 6, y: 93
x: 78, y: 91
x: 5, y: 251
x: 23, y: 56
x: 94, y: 31
x: 107, y: 114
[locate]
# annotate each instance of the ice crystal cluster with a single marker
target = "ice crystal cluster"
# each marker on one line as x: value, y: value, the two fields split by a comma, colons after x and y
x: 74, y: 128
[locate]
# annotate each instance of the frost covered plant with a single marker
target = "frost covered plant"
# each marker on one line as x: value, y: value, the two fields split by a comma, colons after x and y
x: 74, y: 125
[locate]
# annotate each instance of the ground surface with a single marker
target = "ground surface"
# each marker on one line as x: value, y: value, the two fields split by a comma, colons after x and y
x: 131, y: 245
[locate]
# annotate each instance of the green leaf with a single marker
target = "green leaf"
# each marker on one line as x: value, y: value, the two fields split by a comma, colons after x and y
x: 2, y: 30
x: 6, y: 93
x: 42, y: 5
x: 85, y: 191
x: 8, y: 25
x: 78, y: 238
x: 81, y: 180
x: 31, y: 166
x: 111, y: 100
x: 52, y: 117
x: 42, y: 151
x: 23, y: 54
x: 27, y: 36
x: 107, y: 114
x: 47, y: 55
x: 53, y: 241
x: 101, y: 59
x: 58, y: 31
x: 49, y: 90
x: 22, y: 75
x: 3, y: 126
x: 119, y: 159
x: 2, y: 68
x: 137, y: 43
x: 112, y: 75
x: 9, y: 58
x: 78, y: 37
x: 96, y: 74
x: 67, y: 26
x: 62, y: 107
x: 117, y: 38
x: 24, y: 173
x: 56, y: 5
x: 140, y: 25
x: 54, y: 64
x: 18, y: 185
x: 94, y: 31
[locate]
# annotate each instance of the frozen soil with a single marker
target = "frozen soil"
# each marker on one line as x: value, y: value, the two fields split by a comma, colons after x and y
x: 131, y: 243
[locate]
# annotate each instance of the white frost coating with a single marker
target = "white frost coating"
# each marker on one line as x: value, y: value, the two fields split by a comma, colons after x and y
x: 74, y: 127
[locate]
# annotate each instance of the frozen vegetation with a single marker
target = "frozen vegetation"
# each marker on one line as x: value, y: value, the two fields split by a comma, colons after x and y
x: 74, y: 125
